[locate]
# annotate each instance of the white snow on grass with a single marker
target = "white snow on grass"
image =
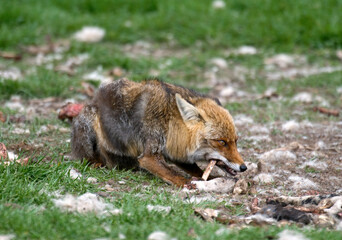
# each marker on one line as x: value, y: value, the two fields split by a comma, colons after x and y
x: 246, y: 50
x: 74, y: 174
x: 158, y: 208
x: 91, y: 180
x: 281, y: 60
x: 259, y: 129
x: 7, y: 237
x: 291, y: 235
x: 12, y: 156
x: 90, y: 34
x: 88, y: 202
x: 241, y: 120
x: 278, y: 155
x: 219, y: 62
x: 218, y: 4
x: 290, y: 126
x: 303, y: 97
x: 159, y: 235
x: 20, y: 131
x: 264, y: 178
x: 300, y: 183
x: 11, y: 73
x: 14, y: 105
x: 317, y: 164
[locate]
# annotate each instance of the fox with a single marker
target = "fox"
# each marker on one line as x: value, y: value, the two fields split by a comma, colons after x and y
x: 152, y: 123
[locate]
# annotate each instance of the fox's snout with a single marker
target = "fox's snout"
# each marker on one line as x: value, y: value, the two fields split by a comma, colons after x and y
x: 243, y: 167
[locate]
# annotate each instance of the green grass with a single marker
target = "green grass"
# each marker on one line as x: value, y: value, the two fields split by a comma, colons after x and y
x: 264, y: 23
x: 26, y: 207
x: 198, y: 33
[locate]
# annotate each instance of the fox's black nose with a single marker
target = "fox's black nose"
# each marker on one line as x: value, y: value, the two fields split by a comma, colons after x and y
x: 243, y: 168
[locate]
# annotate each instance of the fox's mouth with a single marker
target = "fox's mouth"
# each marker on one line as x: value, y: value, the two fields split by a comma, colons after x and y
x: 226, y: 168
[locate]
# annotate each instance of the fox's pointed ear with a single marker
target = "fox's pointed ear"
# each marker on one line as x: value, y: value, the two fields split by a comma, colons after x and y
x: 188, y: 111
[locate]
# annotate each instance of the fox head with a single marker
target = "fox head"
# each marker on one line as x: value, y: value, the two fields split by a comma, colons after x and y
x: 212, y: 133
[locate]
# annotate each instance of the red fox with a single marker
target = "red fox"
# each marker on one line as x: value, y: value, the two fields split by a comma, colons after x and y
x: 146, y: 124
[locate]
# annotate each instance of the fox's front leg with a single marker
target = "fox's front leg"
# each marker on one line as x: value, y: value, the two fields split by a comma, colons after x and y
x: 156, y: 165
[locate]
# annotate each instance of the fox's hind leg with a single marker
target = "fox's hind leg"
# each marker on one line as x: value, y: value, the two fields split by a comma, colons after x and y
x: 112, y: 160
x: 83, y: 138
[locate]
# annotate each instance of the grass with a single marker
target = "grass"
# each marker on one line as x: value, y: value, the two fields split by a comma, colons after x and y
x: 267, y: 23
x: 26, y: 207
x: 189, y: 33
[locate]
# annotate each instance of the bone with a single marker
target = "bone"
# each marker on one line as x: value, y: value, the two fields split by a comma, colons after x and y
x: 208, y: 170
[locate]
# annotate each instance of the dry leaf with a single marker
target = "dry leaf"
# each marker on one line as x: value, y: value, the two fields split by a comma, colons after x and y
x: 10, y: 55
x: 329, y: 112
x: 207, y: 214
x: 116, y: 72
x: 2, y: 117
x: 88, y: 89
x: 3, y: 151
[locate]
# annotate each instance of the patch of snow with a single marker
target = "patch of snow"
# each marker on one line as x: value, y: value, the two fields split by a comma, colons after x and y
x: 290, y: 126
x: 11, y: 73
x: 259, y: 129
x: 316, y: 164
x: 14, y: 105
x: 20, y: 131
x: 322, y: 101
x: 42, y: 58
x: 7, y: 237
x: 222, y: 231
x: 218, y: 4
x: 158, y: 208
x: 306, y: 123
x: 74, y: 174
x: 339, y: 90
x: 76, y: 60
x: 97, y: 76
x: 256, y: 139
x: 251, y: 166
x: 219, y: 62
x: 159, y: 235
x: 122, y: 236
x: 91, y: 180
x: 246, y: 50
x: 302, y: 183
x: 85, y: 203
x: 303, y: 97
x: 264, y: 178
x: 241, y: 120
x: 320, y: 145
x: 227, y: 91
x: 281, y: 60
x: 278, y: 155
x: 90, y: 34
x: 304, y: 72
x: 291, y: 235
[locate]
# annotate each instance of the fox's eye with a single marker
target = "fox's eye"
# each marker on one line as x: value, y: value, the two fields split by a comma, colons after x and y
x: 222, y: 143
